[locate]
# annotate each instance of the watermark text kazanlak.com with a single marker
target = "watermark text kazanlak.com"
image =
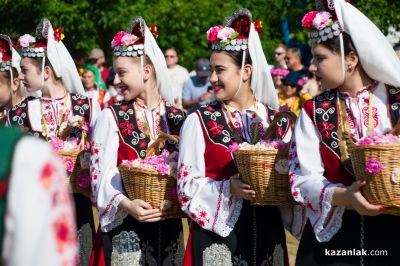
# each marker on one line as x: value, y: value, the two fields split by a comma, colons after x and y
x: 355, y: 252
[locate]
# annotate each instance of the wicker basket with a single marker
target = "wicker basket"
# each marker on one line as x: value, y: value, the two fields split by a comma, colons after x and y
x: 150, y: 186
x: 258, y: 168
x: 382, y: 188
x: 80, y: 159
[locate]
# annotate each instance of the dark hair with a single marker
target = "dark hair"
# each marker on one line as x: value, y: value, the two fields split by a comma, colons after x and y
x: 8, y: 76
x: 334, y: 44
x: 37, y: 62
x: 237, y: 57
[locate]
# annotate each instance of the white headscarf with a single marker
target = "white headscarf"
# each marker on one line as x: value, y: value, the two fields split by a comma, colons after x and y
x: 61, y: 61
x: 377, y: 56
x: 153, y: 51
x: 261, y: 80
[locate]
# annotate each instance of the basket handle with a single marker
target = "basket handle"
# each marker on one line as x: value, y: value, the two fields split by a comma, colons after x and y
x: 159, y: 143
x: 273, y: 127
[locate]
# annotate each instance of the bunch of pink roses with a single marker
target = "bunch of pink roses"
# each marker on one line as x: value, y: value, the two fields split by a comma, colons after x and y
x: 164, y: 164
x: 123, y: 38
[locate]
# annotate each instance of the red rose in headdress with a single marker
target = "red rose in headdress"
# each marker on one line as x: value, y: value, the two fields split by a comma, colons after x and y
x: 153, y: 30
x: 307, y: 21
x: 212, y: 33
x: 5, y: 51
x: 58, y: 34
x: 258, y: 26
x: 242, y: 26
x: 117, y: 40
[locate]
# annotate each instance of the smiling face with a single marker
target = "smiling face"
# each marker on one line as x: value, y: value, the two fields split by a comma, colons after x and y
x: 225, y: 76
x: 128, y: 77
x: 31, y: 75
x: 328, y: 67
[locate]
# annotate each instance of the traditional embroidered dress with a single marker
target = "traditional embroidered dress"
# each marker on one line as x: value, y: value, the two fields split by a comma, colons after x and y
x: 37, y: 215
x: 119, y: 135
x: 316, y: 170
x: 225, y: 230
x: 43, y: 117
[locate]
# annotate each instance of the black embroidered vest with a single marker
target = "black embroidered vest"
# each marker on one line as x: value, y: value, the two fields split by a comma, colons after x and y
x: 133, y: 136
x: 18, y: 116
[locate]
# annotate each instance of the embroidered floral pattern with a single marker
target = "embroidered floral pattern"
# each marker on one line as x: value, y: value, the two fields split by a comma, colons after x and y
x: 215, y: 128
x: 64, y: 233
x: 126, y: 128
x: 325, y: 128
x: 46, y: 176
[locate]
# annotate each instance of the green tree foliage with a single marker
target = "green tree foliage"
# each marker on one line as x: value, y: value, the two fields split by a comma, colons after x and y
x: 182, y: 24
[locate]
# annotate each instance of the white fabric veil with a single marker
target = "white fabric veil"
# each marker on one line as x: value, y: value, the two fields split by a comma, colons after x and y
x: 377, y: 56
x: 61, y: 60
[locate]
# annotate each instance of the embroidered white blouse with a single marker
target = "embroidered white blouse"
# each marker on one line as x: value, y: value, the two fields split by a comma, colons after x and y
x: 56, y: 112
x: 207, y: 201
x: 107, y: 185
x: 40, y: 218
x: 306, y: 168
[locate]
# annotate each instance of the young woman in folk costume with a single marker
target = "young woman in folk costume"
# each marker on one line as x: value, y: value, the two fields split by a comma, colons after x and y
x: 359, y: 68
x: 10, y: 87
x: 47, y: 66
x: 133, y: 232
x: 226, y: 229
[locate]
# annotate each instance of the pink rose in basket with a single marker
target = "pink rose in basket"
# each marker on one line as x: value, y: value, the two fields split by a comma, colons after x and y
x: 68, y: 164
x: 373, y: 166
x: 84, y: 180
x: 233, y: 147
x: 56, y: 143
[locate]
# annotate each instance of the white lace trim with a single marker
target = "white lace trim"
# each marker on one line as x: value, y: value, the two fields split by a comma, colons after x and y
x: 325, y: 230
x: 126, y: 249
x: 227, y: 218
x: 114, y: 215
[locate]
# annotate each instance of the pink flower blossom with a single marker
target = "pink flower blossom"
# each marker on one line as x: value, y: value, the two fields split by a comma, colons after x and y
x: 68, y: 164
x: 373, y: 166
x: 300, y: 82
x: 25, y: 40
x: 128, y: 39
x: 233, y: 147
x: 56, y: 143
x: 117, y: 40
x: 225, y: 33
x: 84, y: 180
x: 279, y: 72
x: 308, y: 19
x: 321, y: 20
x: 212, y: 33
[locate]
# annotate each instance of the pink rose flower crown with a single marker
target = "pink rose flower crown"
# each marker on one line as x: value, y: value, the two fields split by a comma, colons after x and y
x: 131, y: 42
x: 322, y: 25
x: 235, y: 34
x: 36, y: 47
